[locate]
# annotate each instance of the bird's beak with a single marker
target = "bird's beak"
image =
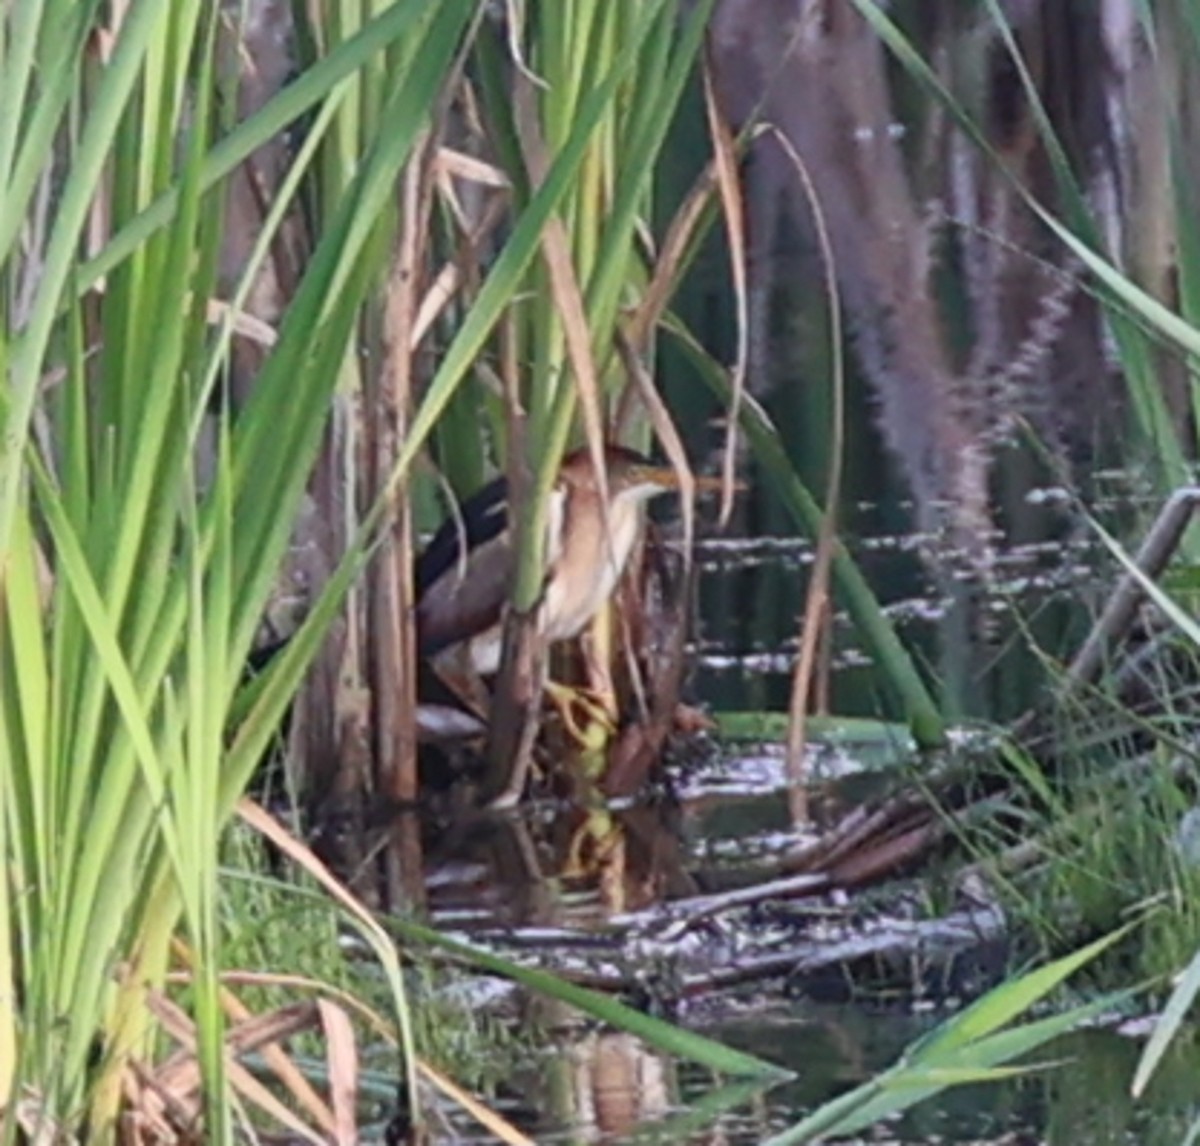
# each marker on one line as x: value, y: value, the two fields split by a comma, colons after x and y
x: 667, y: 478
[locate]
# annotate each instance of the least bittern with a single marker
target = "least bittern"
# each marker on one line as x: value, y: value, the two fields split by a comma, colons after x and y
x: 463, y: 578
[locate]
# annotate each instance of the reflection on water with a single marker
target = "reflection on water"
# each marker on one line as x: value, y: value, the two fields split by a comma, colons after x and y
x: 752, y: 592
x: 597, y: 1086
x: 725, y: 825
x: 582, y: 890
x: 563, y: 866
x: 568, y: 885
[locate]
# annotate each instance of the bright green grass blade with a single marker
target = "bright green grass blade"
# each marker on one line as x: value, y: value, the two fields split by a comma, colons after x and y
x: 1155, y: 593
x: 313, y: 85
x: 318, y: 326
x: 18, y: 45
x: 1168, y: 1026
x: 47, y: 45
x: 1016, y: 1042
x: 913, y: 1082
x: 58, y: 262
x: 26, y: 782
x: 129, y: 698
x: 1033, y: 777
x: 508, y: 271
x: 1004, y: 1003
x: 604, y: 290
x: 920, y: 1076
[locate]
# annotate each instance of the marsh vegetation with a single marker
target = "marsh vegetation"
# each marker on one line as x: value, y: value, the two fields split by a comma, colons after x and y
x: 908, y: 290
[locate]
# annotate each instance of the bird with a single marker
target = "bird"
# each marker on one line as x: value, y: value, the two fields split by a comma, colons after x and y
x: 463, y: 578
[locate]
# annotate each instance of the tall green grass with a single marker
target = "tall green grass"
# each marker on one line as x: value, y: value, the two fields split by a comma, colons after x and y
x: 145, y: 514
x: 133, y: 577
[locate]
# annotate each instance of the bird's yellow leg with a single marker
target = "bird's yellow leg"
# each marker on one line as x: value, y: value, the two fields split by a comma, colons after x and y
x: 592, y: 844
x: 595, y: 724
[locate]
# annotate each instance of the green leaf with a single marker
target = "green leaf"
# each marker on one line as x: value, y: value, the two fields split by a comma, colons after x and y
x: 1169, y: 1024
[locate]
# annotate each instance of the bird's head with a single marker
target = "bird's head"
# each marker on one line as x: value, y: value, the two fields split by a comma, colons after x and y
x: 630, y: 476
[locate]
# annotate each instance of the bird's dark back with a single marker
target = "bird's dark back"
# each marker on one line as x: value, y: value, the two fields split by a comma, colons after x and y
x: 482, y: 517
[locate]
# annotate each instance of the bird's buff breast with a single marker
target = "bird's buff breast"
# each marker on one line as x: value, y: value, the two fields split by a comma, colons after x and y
x: 598, y: 558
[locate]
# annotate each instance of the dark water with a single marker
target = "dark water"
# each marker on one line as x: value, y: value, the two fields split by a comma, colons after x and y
x: 972, y: 640
x: 518, y: 883
x: 557, y: 885
x: 609, y: 1088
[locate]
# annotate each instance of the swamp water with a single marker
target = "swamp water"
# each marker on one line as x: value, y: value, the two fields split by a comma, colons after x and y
x: 834, y: 1028
x: 828, y: 986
